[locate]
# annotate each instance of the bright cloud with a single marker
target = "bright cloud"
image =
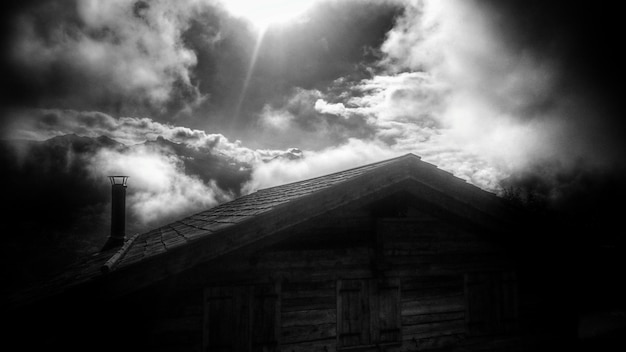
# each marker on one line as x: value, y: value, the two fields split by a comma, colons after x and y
x: 317, y: 163
x: 324, y: 107
x: 489, y: 99
x: 451, y: 90
x: 161, y: 189
x: 276, y: 119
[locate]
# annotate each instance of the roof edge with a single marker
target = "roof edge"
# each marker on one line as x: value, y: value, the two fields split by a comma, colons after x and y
x: 115, y: 259
x: 404, y: 156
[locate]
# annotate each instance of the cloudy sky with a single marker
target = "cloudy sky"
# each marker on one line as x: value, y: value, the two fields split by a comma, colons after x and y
x: 483, y: 89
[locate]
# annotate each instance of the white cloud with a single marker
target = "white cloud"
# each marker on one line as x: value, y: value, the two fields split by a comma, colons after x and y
x: 161, y: 190
x: 454, y: 92
x: 352, y: 154
x: 483, y: 92
x: 324, y: 107
x: 277, y: 119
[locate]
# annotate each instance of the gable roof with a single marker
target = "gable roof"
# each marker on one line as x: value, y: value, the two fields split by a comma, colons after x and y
x: 279, y: 199
x: 209, y: 234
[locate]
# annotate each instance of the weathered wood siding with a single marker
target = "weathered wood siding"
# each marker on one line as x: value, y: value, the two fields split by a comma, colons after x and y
x: 309, y: 315
x: 433, y: 311
x: 429, y: 260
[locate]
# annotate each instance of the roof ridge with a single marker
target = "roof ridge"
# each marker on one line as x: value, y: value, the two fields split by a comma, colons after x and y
x: 342, y: 171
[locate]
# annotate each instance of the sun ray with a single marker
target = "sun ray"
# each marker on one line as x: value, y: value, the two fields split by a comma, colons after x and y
x: 249, y: 72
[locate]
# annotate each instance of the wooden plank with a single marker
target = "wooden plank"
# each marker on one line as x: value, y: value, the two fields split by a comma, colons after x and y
x: 317, y: 345
x: 290, y: 274
x: 309, y: 317
x: 435, y: 238
x: 242, y: 318
x: 431, y: 318
x: 309, y: 289
x: 417, y: 269
x: 297, y: 285
x: 322, y: 292
x: 394, y: 228
x: 449, y: 258
x: 374, y: 307
x: 511, y: 343
x: 180, y: 303
x: 436, y: 246
x: 510, y: 302
x: 389, y: 311
x: 224, y: 309
x: 182, y: 324
x: 437, y: 281
x: 297, y: 334
x: 308, y: 303
x: 353, y: 313
x: 435, y: 342
x: 291, y: 287
x: 438, y: 231
x: 434, y: 305
x: 441, y: 328
x: 265, y: 317
x: 491, y: 303
x: 431, y: 292
x: 316, y: 258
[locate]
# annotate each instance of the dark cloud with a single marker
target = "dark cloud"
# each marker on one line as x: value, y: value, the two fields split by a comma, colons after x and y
x: 53, y: 210
x: 580, y: 202
x: 115, y: 57
x: 57, y: 207
x: 581, y: 35
x: 582, y: 39
x: 311, y: 122
x: 14, y: 88
x: 576, y: 182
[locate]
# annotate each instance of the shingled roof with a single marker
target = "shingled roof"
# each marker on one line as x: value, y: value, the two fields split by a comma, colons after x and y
x: 251, y: 218
x: 227, y: 215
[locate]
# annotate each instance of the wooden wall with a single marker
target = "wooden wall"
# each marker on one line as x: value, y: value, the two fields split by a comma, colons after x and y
x: 431, y: 260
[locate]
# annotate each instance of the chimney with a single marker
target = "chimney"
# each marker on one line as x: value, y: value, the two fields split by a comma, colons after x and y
x: 118, y: 212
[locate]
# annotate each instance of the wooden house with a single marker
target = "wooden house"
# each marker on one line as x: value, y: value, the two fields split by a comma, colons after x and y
x: 393, y: 256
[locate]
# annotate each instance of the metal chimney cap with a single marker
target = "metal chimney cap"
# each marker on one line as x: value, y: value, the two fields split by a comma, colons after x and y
x: 118, y: 180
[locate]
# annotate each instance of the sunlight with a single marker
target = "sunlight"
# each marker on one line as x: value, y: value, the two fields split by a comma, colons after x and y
x: 263, y: 13
x: 250, y: 71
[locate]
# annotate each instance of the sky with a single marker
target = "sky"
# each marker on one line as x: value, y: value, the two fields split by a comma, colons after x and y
x: 487, y: 90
